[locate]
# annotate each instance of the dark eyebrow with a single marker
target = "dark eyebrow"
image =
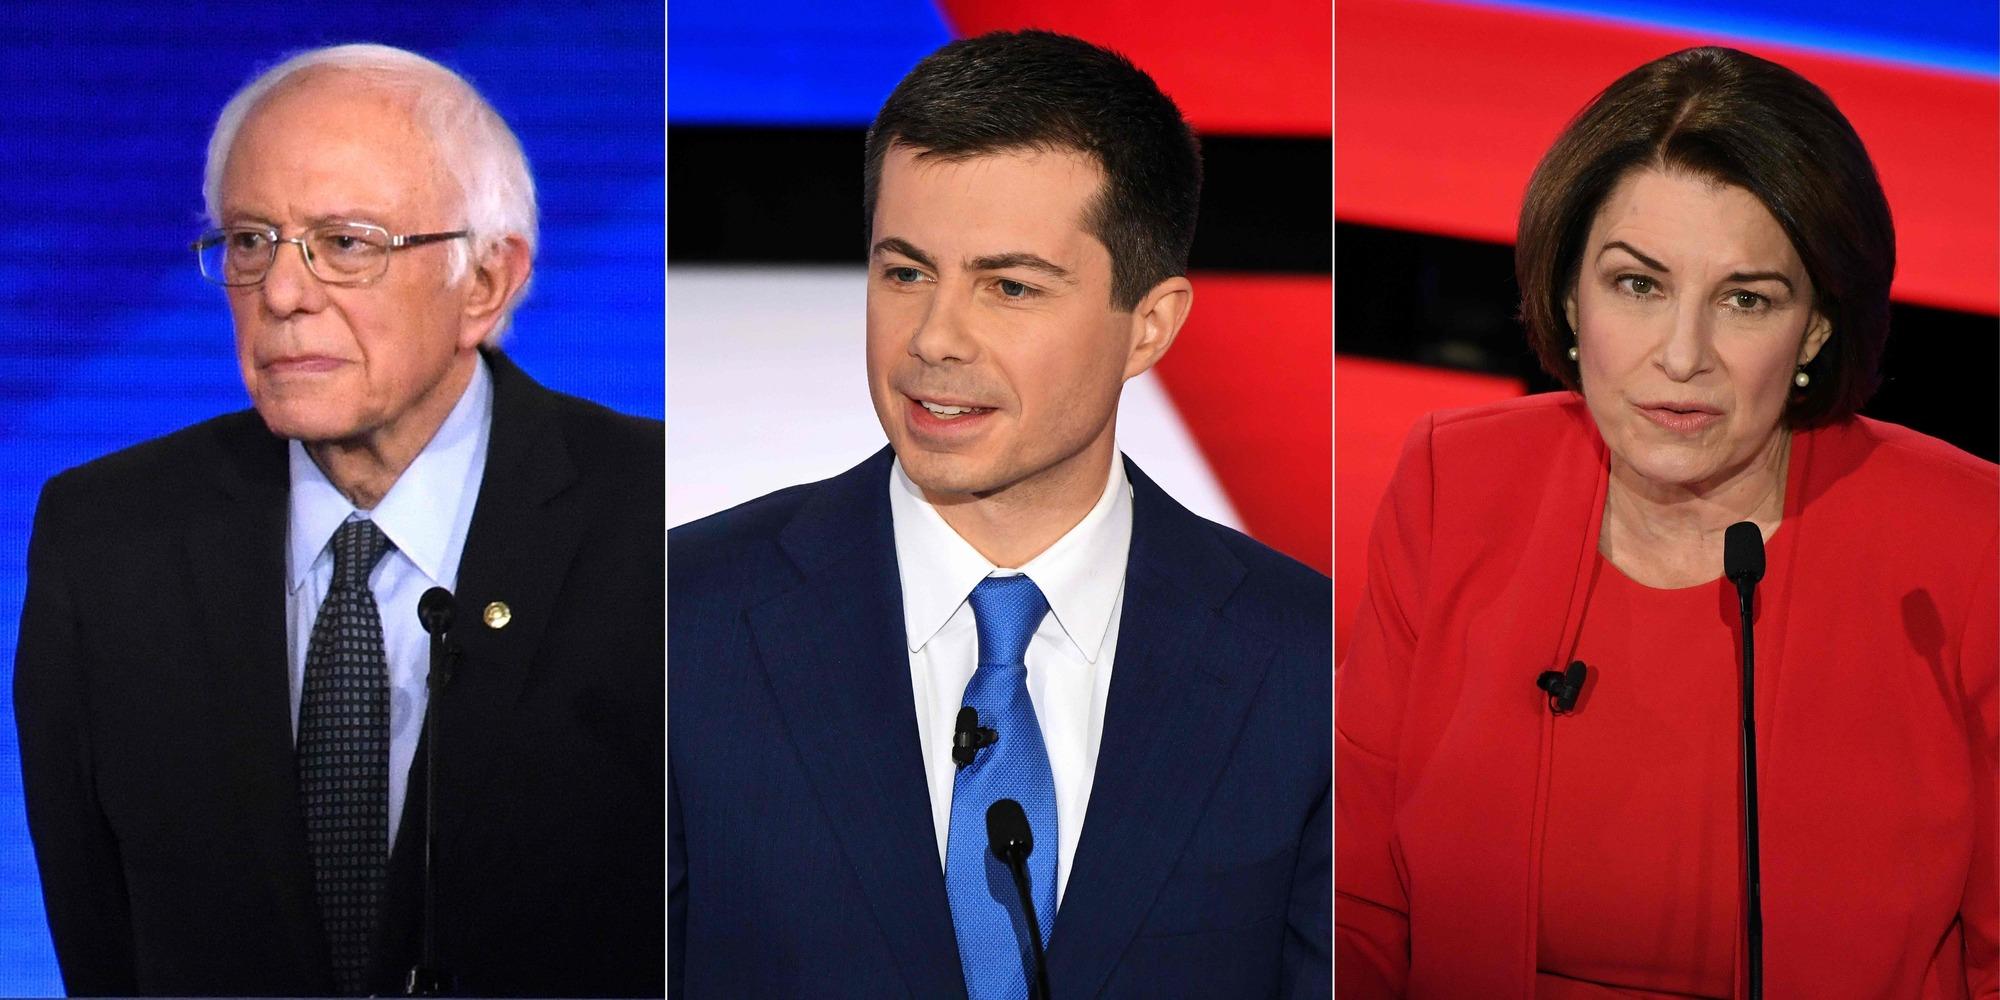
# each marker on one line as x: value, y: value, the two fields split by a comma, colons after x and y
x: 898, y: 245
x: 1746, y: 276
x: 1634, y: 251
x: 1033, y: 262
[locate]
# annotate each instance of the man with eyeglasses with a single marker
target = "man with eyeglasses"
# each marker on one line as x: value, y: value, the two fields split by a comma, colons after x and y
x: 224, y: 689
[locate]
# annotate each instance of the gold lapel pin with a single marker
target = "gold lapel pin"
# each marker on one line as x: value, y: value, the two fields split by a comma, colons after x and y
x: 498, y: 614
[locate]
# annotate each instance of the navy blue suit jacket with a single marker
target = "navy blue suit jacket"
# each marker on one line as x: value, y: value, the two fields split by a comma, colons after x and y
x: 802, y: 859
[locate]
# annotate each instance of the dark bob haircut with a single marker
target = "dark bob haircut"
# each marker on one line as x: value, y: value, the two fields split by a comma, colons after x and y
x: 1010, y: 91
x: 1741, y: 120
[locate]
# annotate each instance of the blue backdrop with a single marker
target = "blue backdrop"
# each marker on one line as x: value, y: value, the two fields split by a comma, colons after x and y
x: 831, y: 62
x: 108, y: 336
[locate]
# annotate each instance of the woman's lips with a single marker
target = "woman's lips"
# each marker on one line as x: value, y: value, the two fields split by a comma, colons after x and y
x: 1680, y: 418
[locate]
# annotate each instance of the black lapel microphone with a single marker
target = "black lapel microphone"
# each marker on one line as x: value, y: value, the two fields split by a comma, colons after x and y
x: 1564, y: 686
x: 969, y: 737
x: 1012, y: 840
x: 436, y: 610
x: 1743, y: 564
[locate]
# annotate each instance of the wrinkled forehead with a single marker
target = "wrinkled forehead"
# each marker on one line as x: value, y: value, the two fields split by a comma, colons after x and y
x: 328, y: 123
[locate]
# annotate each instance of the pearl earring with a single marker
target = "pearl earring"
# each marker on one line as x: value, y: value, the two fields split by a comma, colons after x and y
x: 1572, y: 352
x: 1801, y: 379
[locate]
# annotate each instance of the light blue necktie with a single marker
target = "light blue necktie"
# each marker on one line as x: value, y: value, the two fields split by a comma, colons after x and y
x: 985, y: 906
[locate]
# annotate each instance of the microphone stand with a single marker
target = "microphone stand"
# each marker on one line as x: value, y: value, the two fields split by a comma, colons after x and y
x: 1752, y: 878
x: 1743, y: 564
x: 1019, y: 866
x: 428, y: 978
x: 1012, y: 840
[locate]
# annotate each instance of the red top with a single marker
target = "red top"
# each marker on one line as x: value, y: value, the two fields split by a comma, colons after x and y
x: 1642, y: 880
x: 1876, y: 716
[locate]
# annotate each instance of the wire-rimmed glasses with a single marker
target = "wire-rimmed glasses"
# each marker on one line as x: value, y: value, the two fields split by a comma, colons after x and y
x: 337, y: 253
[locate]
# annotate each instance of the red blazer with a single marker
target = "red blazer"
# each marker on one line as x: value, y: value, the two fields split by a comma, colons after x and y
x: 1876, y: 693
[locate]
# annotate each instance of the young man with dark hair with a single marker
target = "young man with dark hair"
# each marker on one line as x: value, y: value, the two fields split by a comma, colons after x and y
x: 867, y: 674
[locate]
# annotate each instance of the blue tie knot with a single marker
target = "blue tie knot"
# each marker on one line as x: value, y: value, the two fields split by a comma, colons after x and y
x: 1007, y: 610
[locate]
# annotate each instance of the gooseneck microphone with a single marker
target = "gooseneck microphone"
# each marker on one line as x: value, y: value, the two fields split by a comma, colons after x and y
x: 969, y: 737
x: 435, y: 610
x: 1743, y: 564
x: 1012, y: 840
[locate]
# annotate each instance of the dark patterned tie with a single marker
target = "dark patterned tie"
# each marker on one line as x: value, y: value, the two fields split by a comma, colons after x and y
x: 344, y: 754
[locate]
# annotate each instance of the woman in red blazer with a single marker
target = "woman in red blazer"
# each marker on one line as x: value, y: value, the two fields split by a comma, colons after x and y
x: 1705, y: 258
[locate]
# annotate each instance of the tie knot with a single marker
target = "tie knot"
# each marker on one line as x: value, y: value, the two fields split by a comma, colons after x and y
x: 1007, y: 610
x: 357, y: 547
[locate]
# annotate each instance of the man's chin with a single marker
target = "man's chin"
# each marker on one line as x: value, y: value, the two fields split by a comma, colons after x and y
x: 308, y: 425
x: 942, y: 476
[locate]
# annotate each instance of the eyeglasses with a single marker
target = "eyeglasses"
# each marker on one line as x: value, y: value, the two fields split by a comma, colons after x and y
x: 337, y: 253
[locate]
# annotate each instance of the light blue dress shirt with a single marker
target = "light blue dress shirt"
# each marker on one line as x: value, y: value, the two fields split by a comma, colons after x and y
x: 426, y: 513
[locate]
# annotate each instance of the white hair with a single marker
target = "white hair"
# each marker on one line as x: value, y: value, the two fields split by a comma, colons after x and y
x: 472, y: 143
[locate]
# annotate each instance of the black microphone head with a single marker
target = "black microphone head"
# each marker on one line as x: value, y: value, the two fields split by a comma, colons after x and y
x: 965, y: 742
x: 1007, y: 831
x: 435, y: 610
x: 1743, y: 553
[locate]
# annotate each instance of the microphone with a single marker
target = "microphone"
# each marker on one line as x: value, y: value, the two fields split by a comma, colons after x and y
x: 1012, y: 840
x: 1564, y: 686
x: 435, y: 609
x: 1743, y: 557
x: 1743, y: 564
x: 970, y: 737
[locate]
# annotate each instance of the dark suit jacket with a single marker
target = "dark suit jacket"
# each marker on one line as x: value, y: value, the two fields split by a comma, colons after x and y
x: 801, y: 852
x: 150, y: 690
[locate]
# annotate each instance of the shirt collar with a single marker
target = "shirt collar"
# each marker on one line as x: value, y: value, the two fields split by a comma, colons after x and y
x: 421, y: 512
x: 1082, y: 574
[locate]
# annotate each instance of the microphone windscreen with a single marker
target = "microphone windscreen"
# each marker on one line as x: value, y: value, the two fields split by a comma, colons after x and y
x: 435, y: 610
x: 968, y: 719
x: 1743, y: 552
x: 1007, y: 829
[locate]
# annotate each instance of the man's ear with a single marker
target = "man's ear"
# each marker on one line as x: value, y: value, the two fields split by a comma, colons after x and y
x: 498, y: 275
x: 1156, y: 321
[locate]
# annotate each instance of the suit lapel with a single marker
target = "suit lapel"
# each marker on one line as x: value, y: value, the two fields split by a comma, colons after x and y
x: 236, y: 556
x: 1181, y: 669
x: 514, y: 550
x: 843, y: 688
x: 1482, y: 893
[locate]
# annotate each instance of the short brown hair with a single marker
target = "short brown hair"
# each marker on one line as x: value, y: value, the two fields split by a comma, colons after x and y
x: 1745, y: 121
x: 1014, y: 90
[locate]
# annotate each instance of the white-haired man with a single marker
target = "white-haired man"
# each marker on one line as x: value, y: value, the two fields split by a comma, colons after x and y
x: 221, y: 678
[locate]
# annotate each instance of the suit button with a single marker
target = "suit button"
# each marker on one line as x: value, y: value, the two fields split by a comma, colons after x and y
x: 498, y: 614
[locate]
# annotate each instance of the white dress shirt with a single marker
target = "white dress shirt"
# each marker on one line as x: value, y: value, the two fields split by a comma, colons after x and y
x: 1069, y: 657
x: 426, y: 514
